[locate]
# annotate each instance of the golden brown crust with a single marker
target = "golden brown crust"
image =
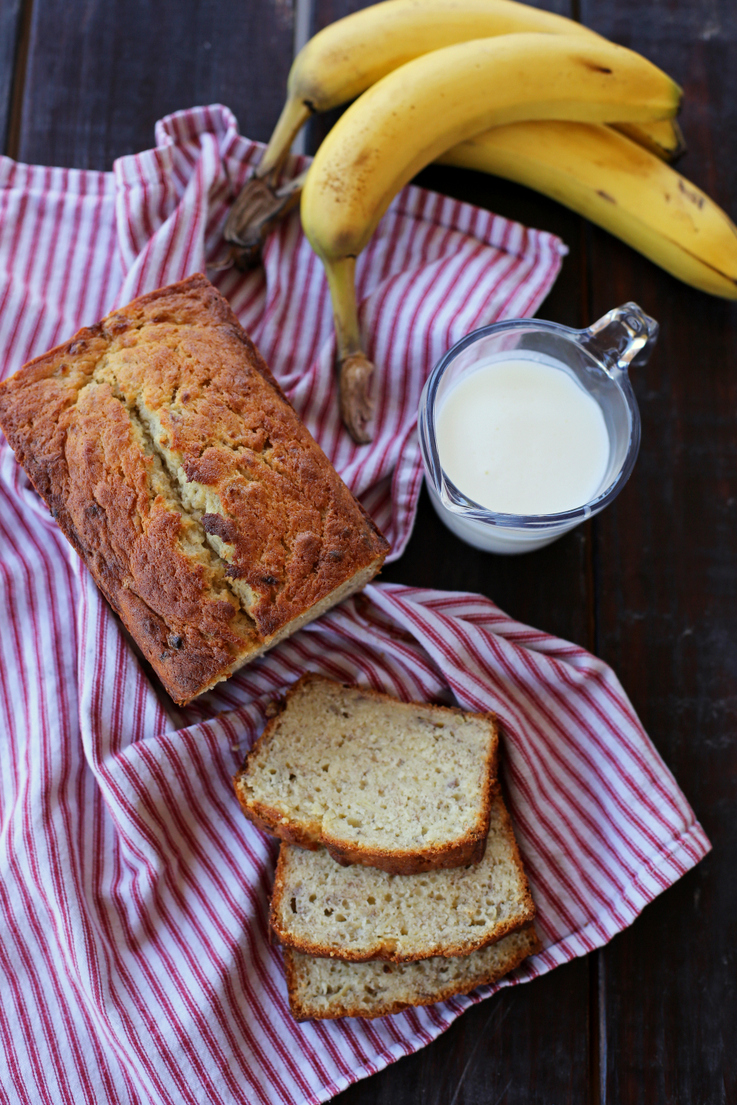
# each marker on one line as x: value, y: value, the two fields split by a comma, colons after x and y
x: 468, y: 850
x: 169, y: 393
x: 463, y: 854
x: 273, y: 826
x: 397, y: 862
x: 303, y: 1012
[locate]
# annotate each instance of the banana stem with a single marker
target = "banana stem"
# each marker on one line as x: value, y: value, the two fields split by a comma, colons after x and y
x: 294, y: 115
x: 355, y: 369
x: 341, y: 274
x: 260, y: 205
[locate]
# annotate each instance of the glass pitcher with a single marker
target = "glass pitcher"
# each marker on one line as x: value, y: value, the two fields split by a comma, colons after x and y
x: 598, y: 359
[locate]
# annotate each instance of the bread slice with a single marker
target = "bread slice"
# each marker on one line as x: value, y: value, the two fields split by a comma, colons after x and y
x: 359, y: 913
x: 208, y: 516
x: 324, y: 988
x: 400, y: 786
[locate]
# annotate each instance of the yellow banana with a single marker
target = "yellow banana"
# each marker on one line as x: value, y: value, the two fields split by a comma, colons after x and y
x: 621, y: 187
x: 348, y: 56
x: 423, y: 108
x: 428, y: 105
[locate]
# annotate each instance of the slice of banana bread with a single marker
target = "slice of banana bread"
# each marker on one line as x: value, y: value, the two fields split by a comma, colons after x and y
x: 209, y: 517
x: 396, y: 785
x: 322, y: 908
x: 324, y: 988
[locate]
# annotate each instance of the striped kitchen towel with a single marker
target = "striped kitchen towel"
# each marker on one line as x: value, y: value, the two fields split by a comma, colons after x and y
x: 134, y: 894
x: 136, y: 968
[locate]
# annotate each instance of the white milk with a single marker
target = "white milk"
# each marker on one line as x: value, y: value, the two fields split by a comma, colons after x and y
x: 521, y: 436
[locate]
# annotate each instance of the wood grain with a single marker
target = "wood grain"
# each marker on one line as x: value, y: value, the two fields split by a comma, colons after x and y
x: 96, y: 83
x: 667, y: 595
x: 12, y: 65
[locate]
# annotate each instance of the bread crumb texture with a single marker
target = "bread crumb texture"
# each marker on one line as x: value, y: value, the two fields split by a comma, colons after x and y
x: 327, y: 988
x: 402, y: 786
x: 322, y: 908
x: 207, y: 514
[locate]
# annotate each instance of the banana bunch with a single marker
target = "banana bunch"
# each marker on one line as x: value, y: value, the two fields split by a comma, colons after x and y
x: 348, y: 56
x: 493, y: 85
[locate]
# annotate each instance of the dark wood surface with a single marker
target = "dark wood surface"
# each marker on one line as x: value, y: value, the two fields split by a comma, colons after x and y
x: 650, y: 585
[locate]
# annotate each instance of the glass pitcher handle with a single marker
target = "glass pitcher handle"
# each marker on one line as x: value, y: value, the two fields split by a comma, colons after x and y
x: 623, y: 336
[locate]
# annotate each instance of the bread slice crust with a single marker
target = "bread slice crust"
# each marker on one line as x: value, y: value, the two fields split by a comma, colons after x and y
x: 447, y: 916
x: 299, y: 827
x: 208, y: 516
x: 364, y: 990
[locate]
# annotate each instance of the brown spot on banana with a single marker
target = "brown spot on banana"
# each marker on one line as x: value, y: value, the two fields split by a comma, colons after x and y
x: 593, y: 67
x: 690, y: 194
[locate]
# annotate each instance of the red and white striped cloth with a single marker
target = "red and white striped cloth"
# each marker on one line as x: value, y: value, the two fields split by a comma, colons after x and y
x: 133, y: 894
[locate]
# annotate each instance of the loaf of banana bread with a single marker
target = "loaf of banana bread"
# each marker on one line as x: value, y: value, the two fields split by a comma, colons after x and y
x: 208, y: 516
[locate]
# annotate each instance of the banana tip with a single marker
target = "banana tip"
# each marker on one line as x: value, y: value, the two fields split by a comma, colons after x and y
x: 356, y: 404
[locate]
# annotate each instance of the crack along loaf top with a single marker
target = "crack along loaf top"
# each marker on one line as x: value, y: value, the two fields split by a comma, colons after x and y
x: 207, y: 514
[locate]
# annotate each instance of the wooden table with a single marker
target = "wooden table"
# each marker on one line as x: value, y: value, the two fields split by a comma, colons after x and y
x: 650, y: 585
